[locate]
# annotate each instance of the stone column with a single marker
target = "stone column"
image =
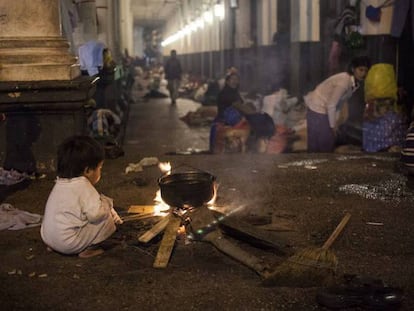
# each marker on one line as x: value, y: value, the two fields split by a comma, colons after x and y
x: 87, y: 15
x: 31, y: 44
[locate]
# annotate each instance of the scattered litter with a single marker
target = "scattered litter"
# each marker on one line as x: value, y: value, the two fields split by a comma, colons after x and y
x: 392, y: 189
x: 375, y: 223
x: 189, y: 151
x: 149, y: 161
x: 39, y: 176
x: 310, y: 167
x: 44, y: 275
x: 133, y: 167
x: 15, y: 271
x: 304, y: 163
x: 32, y: 274
x: 139, y: 167
x: 375, y: 157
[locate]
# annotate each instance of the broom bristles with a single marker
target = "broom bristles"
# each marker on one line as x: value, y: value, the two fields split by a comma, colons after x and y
x: 309, y: 267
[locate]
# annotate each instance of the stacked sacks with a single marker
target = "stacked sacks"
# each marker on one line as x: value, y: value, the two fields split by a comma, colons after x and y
x: 384, y: 123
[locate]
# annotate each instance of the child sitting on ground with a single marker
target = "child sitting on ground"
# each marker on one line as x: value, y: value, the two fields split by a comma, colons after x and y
x: 77, y: 218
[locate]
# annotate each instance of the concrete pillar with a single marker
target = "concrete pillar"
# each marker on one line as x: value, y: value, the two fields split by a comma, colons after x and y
x: 105, y: 21
x: 243, y: 35
x: 126, y: 26
x: 87, y: 15
x: 31, y: 44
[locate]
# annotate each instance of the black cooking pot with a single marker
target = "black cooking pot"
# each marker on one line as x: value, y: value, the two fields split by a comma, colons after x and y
x: 187, y: 189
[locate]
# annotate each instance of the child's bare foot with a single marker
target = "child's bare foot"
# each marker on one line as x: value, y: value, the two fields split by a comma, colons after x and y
x: 90, y: 252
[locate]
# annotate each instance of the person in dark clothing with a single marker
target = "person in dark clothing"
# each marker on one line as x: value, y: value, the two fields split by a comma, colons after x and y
x: 229, y: 95
x: 238, y: 120
x: 173, y: 72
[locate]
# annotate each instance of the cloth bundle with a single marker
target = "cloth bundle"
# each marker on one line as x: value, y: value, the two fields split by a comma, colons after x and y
x: 12, y: 218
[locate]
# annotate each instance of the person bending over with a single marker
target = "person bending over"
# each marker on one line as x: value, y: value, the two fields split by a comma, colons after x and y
x: 77, y: 218
x: 327, y: 98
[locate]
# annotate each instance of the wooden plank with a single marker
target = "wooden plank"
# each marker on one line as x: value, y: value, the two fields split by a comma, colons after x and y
x: 134, y: 217
x: 167, y: 243
x: 141, y: 209
x: 157, y: 228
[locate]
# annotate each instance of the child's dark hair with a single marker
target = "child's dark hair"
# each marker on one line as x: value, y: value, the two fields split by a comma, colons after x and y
x: 360, y: 61
x: 76, y: 153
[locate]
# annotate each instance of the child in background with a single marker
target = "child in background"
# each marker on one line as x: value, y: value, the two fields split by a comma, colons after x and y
x: 77, y: 218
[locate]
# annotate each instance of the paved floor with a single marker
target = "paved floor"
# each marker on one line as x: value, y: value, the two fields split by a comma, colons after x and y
x: 307, y: 193
x: 154, y: 128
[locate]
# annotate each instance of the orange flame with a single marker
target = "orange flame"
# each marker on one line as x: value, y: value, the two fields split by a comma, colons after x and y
x: 161, y: 208
x: 165, y: 167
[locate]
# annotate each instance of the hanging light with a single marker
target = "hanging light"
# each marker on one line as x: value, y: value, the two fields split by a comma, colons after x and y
x: 219, y: 11
x: 208, y: 16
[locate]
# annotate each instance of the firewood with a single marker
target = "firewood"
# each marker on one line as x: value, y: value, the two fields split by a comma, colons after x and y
x: 167, y: 243
x: 141, y: 209
x: 156, y: 229
x: 137, y: 217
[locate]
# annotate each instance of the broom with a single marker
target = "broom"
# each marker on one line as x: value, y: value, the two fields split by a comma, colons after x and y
x: 309, y: 267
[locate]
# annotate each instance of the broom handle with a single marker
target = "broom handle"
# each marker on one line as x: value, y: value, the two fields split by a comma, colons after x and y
x: 337, y: 231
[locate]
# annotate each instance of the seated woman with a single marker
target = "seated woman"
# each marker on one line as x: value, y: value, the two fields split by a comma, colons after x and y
x: 236, y: 122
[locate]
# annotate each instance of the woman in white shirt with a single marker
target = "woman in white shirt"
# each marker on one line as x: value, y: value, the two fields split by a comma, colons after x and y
x: 324, y: 101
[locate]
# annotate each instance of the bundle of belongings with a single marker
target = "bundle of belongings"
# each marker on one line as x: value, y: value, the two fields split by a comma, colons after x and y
x: 384, y: 124
x: 241, y: 129
x: 12, y: 218
x: 91, y: 57
x: 289, y: 116
x: 271, y: 124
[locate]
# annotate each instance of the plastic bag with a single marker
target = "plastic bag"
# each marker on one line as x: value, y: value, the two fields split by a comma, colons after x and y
x: 373, y: 13
x: 380, y: 82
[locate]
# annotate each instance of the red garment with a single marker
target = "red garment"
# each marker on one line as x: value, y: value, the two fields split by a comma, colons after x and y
x: 222, y: 131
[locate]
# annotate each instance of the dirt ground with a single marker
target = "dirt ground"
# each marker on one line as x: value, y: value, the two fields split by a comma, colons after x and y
x: 308, y: 194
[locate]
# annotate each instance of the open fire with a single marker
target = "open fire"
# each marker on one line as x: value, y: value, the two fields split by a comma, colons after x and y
x: 192, y: 213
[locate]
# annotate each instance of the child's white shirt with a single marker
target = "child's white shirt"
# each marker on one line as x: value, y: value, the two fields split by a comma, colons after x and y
x: 76, y: 216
